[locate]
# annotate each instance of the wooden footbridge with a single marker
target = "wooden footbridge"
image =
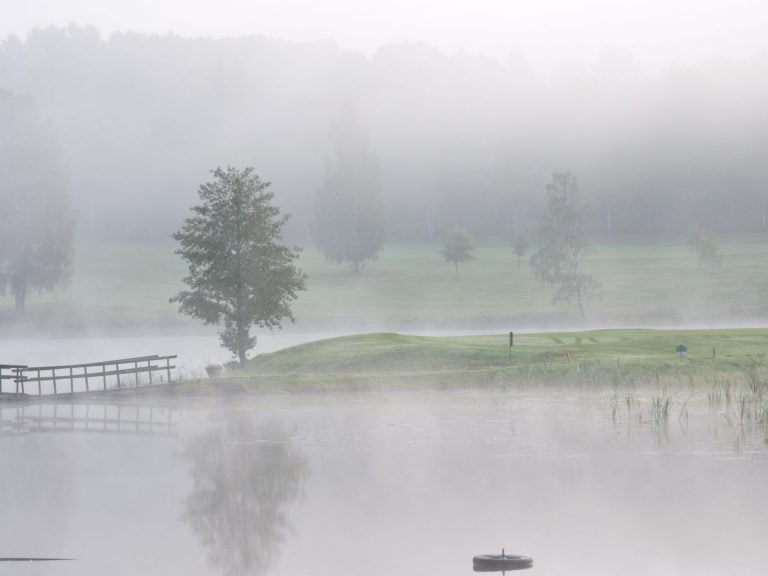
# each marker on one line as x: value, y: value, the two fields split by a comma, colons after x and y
x: 25, y: 381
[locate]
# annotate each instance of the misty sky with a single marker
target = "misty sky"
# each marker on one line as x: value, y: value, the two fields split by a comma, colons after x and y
x: 546, y: 34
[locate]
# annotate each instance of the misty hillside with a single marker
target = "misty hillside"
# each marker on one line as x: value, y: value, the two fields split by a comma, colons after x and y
x: 460, y: 140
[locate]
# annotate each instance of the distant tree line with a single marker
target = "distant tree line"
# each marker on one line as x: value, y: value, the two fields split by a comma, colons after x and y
x: 451, y: 140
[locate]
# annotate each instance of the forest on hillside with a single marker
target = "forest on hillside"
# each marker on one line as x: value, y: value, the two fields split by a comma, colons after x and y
x: 459, y: 140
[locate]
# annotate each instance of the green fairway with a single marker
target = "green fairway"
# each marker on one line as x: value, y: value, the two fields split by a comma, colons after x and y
x: 600, y: 354
x: 642, y: 283
x: 647, y: 283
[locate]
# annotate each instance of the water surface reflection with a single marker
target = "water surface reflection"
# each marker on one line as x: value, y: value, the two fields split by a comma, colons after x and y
x: 244, y: 477
x: 400, y: 483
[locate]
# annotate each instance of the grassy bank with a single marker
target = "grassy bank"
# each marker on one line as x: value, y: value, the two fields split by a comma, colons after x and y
x: 601, y: 357
x: 649, y: 283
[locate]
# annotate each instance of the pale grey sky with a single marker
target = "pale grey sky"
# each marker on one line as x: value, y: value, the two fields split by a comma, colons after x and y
x: 547, y: 33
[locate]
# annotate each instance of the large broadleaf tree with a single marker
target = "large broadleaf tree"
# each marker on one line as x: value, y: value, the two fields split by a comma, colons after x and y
x: 240, y: 274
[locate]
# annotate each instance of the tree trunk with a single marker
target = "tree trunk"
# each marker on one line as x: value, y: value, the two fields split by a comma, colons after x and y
x: 578, y: 299
x: 20, y: 295
x: 456, y: 266
x: 240, y: 327
x: 242, y: 342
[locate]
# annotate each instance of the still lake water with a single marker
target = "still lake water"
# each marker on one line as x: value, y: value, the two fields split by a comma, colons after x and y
x: 383, y: 484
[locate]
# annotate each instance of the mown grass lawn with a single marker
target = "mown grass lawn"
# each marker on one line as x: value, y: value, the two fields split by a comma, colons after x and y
x: 643, y: 354
x: 650, y: 283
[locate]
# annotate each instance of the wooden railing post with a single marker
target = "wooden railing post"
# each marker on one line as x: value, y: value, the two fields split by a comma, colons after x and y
x: 71, y: 382
x: 104, y: 375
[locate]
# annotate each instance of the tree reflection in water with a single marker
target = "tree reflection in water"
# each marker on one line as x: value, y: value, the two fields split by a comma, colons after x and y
x: 244, y: 478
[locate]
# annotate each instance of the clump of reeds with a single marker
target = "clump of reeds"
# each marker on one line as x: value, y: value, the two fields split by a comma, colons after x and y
x: 715, y: 397
x: 755, y: 383
x: 661, y: 406
x: 743, y: 404
x: 721, y: 391
x: 629, y: 401
x: 491, y: 375
x: 683, y: 415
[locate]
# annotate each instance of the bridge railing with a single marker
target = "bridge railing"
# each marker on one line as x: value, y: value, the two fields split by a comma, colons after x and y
x: 12, y: 373
x: 89, y: 377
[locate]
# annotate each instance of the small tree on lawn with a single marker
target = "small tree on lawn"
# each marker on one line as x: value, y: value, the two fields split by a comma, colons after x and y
x: 239, y: 273
x: 707, y: 248
x: 37, y: 227
x: 458, y: 248
x: 562, y: 243
x: 520, y: 246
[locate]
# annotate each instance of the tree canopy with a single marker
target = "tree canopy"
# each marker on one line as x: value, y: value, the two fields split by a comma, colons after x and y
x: 459, y: 247
x: 704, y: 242
x: 239, y: 273
x: 520, y: 245
x: 38, y: 224
x: 562, y: 243
x: 349, y: 222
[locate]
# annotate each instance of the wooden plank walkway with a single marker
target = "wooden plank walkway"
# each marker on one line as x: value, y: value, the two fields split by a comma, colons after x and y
x: 89, y: 377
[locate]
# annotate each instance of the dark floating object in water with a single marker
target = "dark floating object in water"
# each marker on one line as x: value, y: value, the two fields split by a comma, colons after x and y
x: 500, y: 563
x: 32, y: 559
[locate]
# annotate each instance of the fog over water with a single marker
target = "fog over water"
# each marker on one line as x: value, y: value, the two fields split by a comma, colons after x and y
x: 385, y: 483
x: 194, y: 352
